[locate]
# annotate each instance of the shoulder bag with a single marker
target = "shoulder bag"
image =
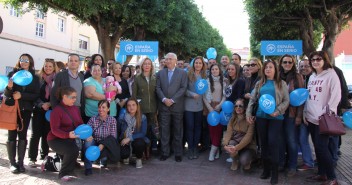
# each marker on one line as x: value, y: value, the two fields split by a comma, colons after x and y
x: 331, y: 124
x: 8, y: 116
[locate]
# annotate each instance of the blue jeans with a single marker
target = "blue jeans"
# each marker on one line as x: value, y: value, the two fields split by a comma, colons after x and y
x: 193, y: 128
x: 333, y: 148
x: 305, y: 146
x: 289, y: 143
x: 88, y: 163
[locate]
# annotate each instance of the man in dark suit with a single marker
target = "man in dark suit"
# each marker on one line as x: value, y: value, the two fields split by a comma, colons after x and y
x: 171, y: 88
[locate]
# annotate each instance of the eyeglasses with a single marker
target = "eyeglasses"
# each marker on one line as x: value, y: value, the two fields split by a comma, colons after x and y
x: 24, y: 60
x: 287, y: 62
x: 238, y: 106
x: 304, y: 66
x: 252, y: 65
x: 109, y: 63
x: 316, y: 59
x: 72, y: 97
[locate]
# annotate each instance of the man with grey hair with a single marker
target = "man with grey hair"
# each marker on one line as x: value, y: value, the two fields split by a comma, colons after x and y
x: 171, y: 88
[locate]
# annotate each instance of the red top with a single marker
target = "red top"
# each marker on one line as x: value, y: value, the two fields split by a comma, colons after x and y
x: 61, y: 123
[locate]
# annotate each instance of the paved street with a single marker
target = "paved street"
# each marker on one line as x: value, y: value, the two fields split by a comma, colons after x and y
x: 155, y: 172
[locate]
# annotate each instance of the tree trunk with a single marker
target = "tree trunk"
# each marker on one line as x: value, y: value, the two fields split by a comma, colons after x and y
x: 307, y: 33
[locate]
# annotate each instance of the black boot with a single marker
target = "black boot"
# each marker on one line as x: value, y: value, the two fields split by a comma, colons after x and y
x: 274, y: 174
x: 266, y: 169
x: 21, y: 150
x: 11, y: 152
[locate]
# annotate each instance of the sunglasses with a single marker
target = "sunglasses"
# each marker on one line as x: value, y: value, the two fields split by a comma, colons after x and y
x: 252, y: 65
x: 287, y: 62
x: 109, y: 63
x: 316, y: 59
x: 238, y: 106
x: 304, y: 66
x: 72, y: 97
x: 24, y: 60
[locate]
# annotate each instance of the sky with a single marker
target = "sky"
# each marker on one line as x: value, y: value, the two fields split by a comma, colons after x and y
x: 230, y: 18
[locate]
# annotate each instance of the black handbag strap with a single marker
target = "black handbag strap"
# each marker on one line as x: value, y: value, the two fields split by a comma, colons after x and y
x: 69, y: 115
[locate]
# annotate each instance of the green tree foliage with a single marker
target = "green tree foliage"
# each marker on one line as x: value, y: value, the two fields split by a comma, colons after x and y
x: 176, y: 24
x: 297, y: 19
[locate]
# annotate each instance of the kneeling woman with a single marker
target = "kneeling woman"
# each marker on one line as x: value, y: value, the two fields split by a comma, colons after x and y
x: 104, y: 136
x: 132, y: 131
x: 238, y: 140
x: 64, y: 118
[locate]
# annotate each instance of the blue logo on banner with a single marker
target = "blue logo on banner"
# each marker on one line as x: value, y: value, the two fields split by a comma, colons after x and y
x: 281, y: 47
x: 139, y: 48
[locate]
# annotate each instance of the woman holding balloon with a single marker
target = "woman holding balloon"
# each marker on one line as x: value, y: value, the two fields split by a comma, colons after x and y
x: 194, y: 105
x: 293, y: 115
x: 213, y: 100
x: 24, y: 87
x: 103, y: 126
x: 64, y: 119
x: 324, y: 92
x: 273, y: 102
x: 40, y: 125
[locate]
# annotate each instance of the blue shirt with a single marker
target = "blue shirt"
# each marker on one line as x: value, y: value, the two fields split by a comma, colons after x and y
x: 268, y: 88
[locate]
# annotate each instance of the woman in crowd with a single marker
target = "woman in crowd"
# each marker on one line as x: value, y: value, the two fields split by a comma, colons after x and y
x: 194, y: 107
x: 246, y: 72
x: 238, y: 140
x: 255, y: 67
x: 132, y: 132
x: 236, y: 85
x: 269, y: 125
x: 213, y: 100
x: 26, y: 96
x: 324, y: 90
x: 93, y: 90
x: 122, y: 98
x: 104, y: 135
x: 96, y: 59
x: 64, y: 119
x: 41, y: 126
x: 292, y: 117
x: 144, y: 90
x: 127, y: 75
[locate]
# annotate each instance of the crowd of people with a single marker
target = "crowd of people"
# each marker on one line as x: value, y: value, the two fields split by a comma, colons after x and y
x: 128, y: 106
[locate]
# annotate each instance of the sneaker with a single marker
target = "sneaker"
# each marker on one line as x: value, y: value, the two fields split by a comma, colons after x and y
x: 126, y: 161
x: 66, y: 178
x: 32, y: 164
x: 305, y: 167
x: 229, y: 160
x: 139, y: 163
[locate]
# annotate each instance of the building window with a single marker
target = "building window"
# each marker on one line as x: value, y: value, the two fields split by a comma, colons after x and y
x: 83, y: 42
x: 61, y: 24
x: 39, y: 29
x: 14, y: 11
x: 39, y: 14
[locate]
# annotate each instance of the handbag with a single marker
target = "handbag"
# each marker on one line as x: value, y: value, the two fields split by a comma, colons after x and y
x: 331, y: 124
x: 8, y: 116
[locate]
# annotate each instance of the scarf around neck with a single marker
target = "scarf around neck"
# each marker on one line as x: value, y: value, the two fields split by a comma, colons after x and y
x: 49, y: 82
x: 131, y: 124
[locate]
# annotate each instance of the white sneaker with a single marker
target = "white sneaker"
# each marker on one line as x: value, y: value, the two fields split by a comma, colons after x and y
x: 32, y: 164
x: 229, y: 160
x: 126, y: 161
x: 66, y: 178
x: 139, y: 163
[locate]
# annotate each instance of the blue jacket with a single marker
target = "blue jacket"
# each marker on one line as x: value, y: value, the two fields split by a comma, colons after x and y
x: 141, y: 133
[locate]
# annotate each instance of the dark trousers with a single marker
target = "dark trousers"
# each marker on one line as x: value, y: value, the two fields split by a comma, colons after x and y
x: 40, y: 129
x: 269, y: 130
x: 138, y: 147
x: 22, y: 135
x: 68, y: 150
x: 205, y: 138
x: 324, y: 158
x: 150, y: 125
x: 193, y: 128
x: 289, y: 144
x: 174, y: 120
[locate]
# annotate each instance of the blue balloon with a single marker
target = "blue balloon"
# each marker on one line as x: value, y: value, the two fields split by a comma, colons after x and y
x: 92, y: 153
x: 120, y: 58
x: 224, y: 118
x: 4, y: 80
x: 267, y: 103
x: 213, y: 118
x: 227, y: 107
x: 84, y: 131
x: 122, y: 112
x: 47, y: 115
x: 211, y: 53
x: 298, y: 96
x: 347, y: 118
x: 22, y: 77
x: 201, y: 86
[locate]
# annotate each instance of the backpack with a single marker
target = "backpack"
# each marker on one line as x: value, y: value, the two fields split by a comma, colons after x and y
x: 52, y: 164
